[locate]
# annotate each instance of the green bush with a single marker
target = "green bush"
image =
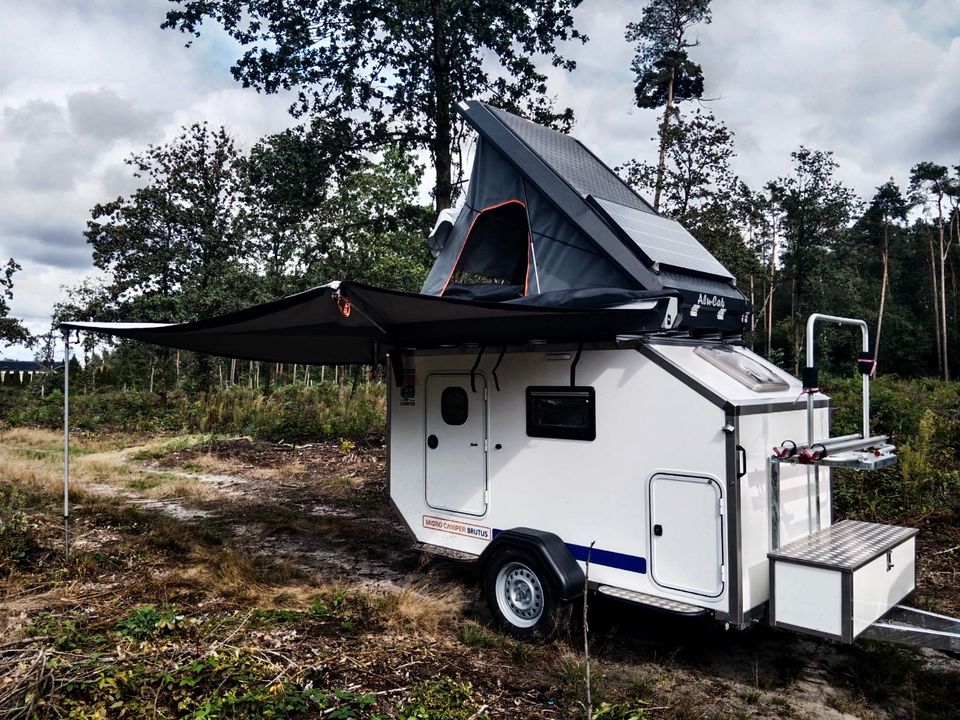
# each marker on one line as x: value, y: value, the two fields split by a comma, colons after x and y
x: 923, y: 414
x: 16, y: 532
x: 290, y: 412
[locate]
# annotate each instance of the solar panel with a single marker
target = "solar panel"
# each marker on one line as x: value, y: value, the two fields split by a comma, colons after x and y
x: 572, y: 161
x: 663, y: 241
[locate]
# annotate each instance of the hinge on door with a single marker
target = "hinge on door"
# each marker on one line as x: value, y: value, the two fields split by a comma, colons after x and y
x: 720, y: 505
x: 484, y: 392
x: 486, y: 445
x: 723, y: 573
x: 486, y: 497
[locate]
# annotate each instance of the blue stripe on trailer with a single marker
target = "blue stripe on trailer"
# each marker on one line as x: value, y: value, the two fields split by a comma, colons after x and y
x: 608, y: 558
x: 620, y: 561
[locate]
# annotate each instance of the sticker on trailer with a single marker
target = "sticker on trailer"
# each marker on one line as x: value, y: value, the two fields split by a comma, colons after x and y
x: 456, y: 527
x: 408, y: 390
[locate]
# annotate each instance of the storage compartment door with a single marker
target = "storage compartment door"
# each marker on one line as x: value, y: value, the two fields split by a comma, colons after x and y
x: 686, y: 534
x: 456, y: 462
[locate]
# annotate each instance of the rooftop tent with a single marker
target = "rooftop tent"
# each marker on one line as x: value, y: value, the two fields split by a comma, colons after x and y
x: 543, y: 214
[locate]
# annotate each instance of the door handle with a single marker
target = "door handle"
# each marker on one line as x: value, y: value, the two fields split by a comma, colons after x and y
x: 741, y: 461
x: 658, y: 530
x: 432, y: 442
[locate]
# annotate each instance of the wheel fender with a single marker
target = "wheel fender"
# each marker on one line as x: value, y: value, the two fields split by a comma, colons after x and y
x: 550, y: 549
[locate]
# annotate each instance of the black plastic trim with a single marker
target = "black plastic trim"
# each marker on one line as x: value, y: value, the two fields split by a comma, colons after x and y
x: 550, y: 549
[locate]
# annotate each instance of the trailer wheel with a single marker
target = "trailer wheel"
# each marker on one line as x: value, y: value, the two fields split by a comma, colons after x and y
x: 522, y: 596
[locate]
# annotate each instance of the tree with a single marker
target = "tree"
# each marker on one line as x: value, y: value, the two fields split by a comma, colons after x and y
x: 816, y: 210
x: 699, y: 188
x: 12, y: 331
x: 930, y: 182
x: 886, y: 208
x: 372, y: 228
x: 290, y: 179
x: 171, y: 249
x: 665, y: 75
x: 695, y: 164
x: 389, y: 72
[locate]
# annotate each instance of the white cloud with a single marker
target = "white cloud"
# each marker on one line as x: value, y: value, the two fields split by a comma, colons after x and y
x: 82, y: 85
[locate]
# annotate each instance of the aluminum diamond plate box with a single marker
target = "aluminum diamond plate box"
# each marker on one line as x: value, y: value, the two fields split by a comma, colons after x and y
x: 839, y: 580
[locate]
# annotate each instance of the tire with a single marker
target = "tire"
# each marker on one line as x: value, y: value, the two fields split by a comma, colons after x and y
x: 522, y: 595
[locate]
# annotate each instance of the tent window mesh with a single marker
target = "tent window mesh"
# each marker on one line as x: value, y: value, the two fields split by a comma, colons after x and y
x: 454, y: 405
x: 568, y: 413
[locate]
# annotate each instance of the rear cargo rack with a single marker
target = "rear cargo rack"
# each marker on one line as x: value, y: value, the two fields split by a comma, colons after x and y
x: 859, y: 451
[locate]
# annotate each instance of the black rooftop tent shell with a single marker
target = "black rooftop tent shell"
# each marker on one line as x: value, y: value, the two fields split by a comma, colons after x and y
x: 584, y: 228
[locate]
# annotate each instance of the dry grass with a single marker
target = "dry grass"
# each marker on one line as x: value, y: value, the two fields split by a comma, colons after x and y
x: 420, y: 611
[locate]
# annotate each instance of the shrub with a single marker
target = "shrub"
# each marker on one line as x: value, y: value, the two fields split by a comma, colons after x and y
x: 16, y: 532
x: 291, y: 412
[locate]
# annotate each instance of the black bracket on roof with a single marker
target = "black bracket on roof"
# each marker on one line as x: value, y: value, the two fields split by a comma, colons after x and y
x: 573, y: 366
x: 473, y: 370
x: 496, y: 380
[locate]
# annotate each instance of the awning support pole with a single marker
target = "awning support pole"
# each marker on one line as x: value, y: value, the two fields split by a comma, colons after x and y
x: 66, y: 446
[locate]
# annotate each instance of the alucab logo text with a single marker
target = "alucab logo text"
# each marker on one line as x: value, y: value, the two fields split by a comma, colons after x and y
x: 712, y: 301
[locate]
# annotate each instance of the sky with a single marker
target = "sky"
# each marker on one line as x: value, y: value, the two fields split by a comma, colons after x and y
x: 85, y: 84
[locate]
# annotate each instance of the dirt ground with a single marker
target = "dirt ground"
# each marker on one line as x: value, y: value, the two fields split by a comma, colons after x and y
x: 283, y: 585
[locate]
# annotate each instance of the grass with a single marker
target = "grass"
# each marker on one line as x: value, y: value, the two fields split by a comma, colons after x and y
x: 158, y: 608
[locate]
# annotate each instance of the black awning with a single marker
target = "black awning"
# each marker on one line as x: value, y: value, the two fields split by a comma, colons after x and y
x: 346, y: 323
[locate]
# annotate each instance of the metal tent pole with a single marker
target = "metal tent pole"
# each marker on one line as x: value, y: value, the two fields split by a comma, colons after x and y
x: 66, y: 446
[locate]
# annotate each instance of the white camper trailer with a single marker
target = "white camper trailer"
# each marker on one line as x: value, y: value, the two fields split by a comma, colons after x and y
x: 571, y: 383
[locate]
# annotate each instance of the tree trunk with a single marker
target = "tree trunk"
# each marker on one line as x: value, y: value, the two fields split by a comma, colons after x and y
x: 664, y: 127
x: 936, y: 305
x: 943, y: 301
x: 443, y: 122
x: 773, y: 269
x: 883, y: 294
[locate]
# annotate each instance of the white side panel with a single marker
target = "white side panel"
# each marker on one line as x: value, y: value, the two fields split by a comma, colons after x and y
x: 648, y: 422
x: 456, y: 464
x: 758, y: 434
x: 808, y: 597
x: 877, y: 589
x: 687, y: 538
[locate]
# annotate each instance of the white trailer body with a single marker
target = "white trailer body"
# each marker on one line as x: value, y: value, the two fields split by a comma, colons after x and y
x: 673, y: 490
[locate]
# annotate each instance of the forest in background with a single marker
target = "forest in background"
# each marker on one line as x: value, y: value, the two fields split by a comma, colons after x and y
x: 213, y: 228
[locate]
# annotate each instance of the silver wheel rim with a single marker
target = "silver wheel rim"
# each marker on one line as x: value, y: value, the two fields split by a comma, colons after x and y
x: 519, y: 595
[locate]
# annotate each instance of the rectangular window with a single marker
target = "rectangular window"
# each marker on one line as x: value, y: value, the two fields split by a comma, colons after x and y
x: 569, y: 413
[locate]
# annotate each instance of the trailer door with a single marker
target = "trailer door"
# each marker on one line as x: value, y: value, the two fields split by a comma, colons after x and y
x: 456, y: 432
x: 686, y: 534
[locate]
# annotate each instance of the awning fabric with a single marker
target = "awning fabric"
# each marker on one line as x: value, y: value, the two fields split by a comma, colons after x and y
x: 349, y: 323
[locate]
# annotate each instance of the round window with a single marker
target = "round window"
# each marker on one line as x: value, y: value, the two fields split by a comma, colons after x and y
x: 454, y: 405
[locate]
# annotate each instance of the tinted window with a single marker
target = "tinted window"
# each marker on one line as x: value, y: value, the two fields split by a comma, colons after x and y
x: 454, y: 405
x: 562, y: 412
